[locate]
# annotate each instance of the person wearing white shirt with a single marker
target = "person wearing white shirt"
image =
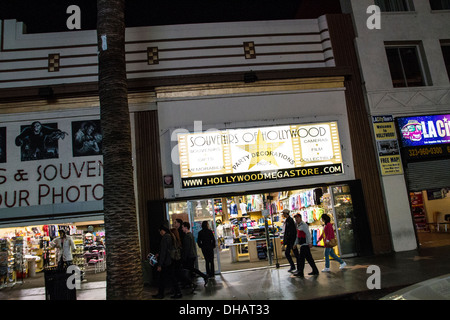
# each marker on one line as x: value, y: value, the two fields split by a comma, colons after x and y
x: 65, y: 246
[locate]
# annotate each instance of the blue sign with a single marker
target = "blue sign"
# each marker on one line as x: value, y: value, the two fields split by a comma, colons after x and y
x: 424, y: 130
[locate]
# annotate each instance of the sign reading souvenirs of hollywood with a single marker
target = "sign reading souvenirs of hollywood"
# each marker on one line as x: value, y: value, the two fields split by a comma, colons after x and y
x: 258, y: 154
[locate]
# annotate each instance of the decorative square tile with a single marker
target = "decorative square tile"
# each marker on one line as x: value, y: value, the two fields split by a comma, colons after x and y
x: 53, y: 62
x: 152, y: 55
x: 249, y: 50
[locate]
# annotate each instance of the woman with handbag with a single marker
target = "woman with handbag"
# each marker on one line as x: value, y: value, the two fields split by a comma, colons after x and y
x: 330, y: 242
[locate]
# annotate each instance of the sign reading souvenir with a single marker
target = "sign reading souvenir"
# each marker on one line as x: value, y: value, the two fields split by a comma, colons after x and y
x: 258, y: 154
x: 425, y: 137
x: 57, y: 162
x: 387, y: 145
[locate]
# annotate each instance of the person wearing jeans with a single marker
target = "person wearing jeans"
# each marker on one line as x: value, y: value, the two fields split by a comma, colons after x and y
x: 330, y: 252
x: 327, y: 235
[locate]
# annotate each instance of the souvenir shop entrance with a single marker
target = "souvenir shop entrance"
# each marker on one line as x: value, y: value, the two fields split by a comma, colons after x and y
x: 249, y: 228
x: 26, y: 251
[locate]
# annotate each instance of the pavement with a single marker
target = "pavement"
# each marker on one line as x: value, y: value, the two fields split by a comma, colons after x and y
x: 364, y: 278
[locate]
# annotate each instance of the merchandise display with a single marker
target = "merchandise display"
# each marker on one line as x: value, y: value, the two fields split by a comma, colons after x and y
x: 250, y: 228
x: 26, y: 251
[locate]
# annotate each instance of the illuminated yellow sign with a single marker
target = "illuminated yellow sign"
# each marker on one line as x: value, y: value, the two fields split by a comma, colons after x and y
x: 257, y: 154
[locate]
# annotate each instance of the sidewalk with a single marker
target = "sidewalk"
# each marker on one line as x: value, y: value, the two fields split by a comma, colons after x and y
x: 397, y: 270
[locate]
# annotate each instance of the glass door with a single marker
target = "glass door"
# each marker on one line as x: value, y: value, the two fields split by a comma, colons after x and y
x: 344, y: 217
x: 195, y: 212
x: 200, y: 211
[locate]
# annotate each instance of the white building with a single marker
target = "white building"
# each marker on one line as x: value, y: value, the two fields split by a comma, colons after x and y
x: 405, y: 72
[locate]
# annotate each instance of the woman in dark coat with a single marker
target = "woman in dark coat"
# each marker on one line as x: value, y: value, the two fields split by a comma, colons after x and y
x: 207, y: 242
x: 165, y: 265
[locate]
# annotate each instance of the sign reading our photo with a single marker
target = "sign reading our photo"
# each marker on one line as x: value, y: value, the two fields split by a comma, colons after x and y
x: 50, y: 162
x: 257, y: 154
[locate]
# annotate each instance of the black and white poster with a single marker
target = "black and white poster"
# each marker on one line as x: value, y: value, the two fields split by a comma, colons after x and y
x: 39, y: 141
x: 86, y: 138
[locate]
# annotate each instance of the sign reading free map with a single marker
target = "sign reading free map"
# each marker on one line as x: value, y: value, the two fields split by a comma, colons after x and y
x: 258, y: 154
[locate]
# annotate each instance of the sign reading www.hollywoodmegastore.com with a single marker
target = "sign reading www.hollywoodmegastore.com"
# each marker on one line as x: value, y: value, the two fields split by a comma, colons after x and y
x: 258, y: 154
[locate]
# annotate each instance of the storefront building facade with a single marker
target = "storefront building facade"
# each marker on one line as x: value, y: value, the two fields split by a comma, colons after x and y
x: 269, y: 111
x: 249, y: 168
x: 405, y: 69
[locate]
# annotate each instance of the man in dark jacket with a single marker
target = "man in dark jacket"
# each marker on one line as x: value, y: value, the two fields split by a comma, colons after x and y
x: 165, y: 267
x: 189, y: 252
x: 290, y: 234
x: 207, y: 242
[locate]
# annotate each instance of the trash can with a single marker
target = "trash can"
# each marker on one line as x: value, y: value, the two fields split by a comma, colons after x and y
x: 56, y: 285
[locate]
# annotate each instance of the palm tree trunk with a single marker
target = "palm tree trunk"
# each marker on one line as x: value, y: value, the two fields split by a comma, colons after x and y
x: 124, y: 271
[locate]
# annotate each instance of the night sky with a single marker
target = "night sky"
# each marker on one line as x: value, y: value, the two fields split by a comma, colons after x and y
x: 50, y: 15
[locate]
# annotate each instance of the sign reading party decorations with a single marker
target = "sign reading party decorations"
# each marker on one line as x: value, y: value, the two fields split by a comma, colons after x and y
x: 258, y: 154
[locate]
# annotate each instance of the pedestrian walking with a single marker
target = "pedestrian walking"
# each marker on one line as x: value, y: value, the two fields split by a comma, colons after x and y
x: 329, y: 237
x: 181, y: 274
x: 189, y: 252
x: 305, y: 242
x: 207, y: 242
x: 165, y: 265
x: 290, y: 235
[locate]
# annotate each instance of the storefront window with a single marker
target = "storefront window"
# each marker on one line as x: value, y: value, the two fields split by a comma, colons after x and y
x: 26, y: 251
x: 178, y: 210
x: 344, y: 215
x: 249, y: 228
